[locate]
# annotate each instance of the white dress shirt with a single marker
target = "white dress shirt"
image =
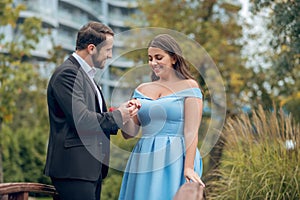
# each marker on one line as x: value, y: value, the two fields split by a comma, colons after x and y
x: 90, y: 71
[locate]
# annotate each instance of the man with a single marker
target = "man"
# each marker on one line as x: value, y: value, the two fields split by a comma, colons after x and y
x: 80, y: 126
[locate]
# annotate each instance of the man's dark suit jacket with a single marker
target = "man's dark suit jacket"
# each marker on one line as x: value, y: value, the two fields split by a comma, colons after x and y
x: 79, y: 133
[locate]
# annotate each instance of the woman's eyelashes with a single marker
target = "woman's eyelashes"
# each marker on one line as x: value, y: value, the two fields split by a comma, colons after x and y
x: 150, y: 58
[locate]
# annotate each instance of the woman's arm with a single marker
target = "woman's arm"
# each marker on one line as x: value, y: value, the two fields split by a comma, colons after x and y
x: 131, y: 128
x: 193, y: 114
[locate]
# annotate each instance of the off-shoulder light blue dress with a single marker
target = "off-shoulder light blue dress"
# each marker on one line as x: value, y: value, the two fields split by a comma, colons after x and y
x: 155, y: 167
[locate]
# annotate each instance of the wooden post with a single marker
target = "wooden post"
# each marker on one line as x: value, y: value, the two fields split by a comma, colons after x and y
x: 18, y: 196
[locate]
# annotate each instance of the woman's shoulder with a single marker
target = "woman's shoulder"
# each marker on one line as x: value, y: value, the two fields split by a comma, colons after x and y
x: 142, y: 85
x: 192, y: 88
x: 146, y: 86
x: 191, y: 83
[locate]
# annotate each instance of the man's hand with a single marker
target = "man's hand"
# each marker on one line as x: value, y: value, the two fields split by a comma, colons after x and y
x: 129, y: 109
x: 134, y: 106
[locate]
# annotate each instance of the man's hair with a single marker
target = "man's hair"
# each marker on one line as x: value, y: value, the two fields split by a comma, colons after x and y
x: 92, y: 33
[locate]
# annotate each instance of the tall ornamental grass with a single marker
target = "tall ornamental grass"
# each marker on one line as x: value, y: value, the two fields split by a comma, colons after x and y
x: 260, y: 158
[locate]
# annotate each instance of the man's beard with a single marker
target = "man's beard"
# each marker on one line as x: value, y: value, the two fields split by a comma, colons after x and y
x: 96, y: 63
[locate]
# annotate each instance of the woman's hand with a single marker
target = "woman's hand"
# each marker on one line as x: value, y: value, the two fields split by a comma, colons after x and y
x: 191, y: 175
x: 134, y: 102
x: 131, y: 126
x: 135, y: 105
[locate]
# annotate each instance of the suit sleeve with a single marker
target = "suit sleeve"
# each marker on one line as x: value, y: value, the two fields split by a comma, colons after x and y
x: 71, y: 92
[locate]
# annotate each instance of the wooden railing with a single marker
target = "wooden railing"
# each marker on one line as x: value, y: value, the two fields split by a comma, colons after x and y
x: 20, y: 191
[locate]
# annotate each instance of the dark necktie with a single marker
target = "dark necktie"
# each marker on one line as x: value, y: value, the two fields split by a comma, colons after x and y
x: 104, y: 108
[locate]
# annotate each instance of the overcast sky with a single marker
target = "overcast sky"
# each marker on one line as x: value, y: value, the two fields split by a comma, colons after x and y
x: 257, y: 26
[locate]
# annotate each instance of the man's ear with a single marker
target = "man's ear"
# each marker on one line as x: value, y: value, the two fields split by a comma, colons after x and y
x: 91, y: 49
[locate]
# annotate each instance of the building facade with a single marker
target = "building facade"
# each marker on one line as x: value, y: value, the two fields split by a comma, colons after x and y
x: 65, y: 17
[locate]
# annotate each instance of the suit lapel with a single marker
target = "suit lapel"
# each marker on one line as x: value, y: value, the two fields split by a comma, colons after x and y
x: 104, y: 108
x: 75, y: 62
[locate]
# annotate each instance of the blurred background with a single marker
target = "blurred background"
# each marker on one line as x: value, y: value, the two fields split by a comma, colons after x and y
x: 255, y: 45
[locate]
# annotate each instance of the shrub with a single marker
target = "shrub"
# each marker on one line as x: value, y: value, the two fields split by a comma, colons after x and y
x: 260, y: 158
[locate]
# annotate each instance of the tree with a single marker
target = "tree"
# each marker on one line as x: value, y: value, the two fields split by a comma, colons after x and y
x: 15, y: 68
x: 283, y: 76
x: 214, y: 25
x: 24, y: 141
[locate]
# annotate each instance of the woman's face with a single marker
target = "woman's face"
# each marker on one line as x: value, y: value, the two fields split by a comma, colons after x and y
x: 160, y: 61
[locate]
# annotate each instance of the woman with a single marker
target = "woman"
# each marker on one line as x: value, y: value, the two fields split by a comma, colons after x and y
x: 166, y: 156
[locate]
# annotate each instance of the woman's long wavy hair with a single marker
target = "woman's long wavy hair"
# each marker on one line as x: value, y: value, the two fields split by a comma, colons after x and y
x: 168, y: 44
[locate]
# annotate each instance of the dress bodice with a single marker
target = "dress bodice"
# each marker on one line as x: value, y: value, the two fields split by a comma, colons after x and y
x: 165, y: 115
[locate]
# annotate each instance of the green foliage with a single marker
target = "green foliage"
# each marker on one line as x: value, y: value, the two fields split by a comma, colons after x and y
x: 25, y: 137
x: 293, y: 107
x: 14, y: 70
x: 8, y: 13
x: 11, y: 161
x: 23, y: 110
x: 111, y: 186
x: 283, y: 24
x: 24, y: 155
x: 260, y: 159
x: 14, y: 66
